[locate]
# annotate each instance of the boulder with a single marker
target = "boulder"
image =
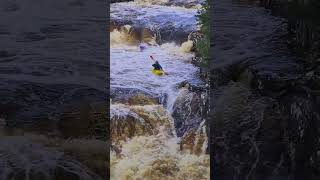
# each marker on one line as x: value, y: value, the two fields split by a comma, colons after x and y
x: 188, y: 109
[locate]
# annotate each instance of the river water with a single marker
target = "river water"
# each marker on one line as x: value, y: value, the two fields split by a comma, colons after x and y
x: 53, y: 60
x: 51, y: 53
x: 146, y: 145
x: 260, y: 117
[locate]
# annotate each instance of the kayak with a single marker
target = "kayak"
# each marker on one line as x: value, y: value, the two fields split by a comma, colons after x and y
x: 157, y: 72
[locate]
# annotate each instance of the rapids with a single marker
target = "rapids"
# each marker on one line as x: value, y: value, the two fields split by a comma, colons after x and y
x: 142, y: 128
x: 171, y: 23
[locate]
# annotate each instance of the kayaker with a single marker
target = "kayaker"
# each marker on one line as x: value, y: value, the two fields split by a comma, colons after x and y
x: 142, y: 47
x: 156, y: 65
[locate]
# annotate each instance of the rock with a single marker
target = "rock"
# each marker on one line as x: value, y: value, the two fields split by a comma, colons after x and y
x: 140, y: 99
x: 129, y: 121
x: 161, y: 27
x: 187, y: 110
x: 122, y: 95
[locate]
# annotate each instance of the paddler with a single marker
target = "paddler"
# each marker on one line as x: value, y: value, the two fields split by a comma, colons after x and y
x: 156, y: 65
x: 142, y: 47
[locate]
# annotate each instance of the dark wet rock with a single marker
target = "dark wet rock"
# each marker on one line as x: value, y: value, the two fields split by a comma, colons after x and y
x: 195, y: 37
x: 188, y: 109
x: 197, y: 87
x: 124, y: 95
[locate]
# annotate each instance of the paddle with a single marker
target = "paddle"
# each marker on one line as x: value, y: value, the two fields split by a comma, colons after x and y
x: 162, y: 69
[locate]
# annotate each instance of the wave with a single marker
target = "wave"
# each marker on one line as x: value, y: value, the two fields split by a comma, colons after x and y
x: 157, y: 157
x: 127, y: 35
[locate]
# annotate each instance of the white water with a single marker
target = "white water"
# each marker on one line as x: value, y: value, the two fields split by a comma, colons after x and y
x: 153, y: 16
x: 131, y: 68
x: 157, y: 156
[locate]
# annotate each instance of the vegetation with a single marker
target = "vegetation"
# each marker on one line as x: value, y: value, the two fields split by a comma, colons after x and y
x: 203, y: 45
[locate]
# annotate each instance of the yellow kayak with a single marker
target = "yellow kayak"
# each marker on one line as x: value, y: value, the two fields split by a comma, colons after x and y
x: 157, y: 72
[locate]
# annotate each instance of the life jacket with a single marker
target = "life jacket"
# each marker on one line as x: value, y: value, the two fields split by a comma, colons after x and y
x: 157, y: 66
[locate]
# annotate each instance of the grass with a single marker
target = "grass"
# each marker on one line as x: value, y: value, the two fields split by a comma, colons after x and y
x: 203, y: 45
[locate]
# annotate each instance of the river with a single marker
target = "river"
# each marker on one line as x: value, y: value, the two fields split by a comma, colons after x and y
x: 53, y: 64
x: 149, y: 141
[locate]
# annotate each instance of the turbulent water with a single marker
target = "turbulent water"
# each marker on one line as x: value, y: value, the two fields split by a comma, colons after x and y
x: 50, y: 55
x: 53, y: 64
x: 264, y: 111
x: 137, y: 66
x: 145, y: 144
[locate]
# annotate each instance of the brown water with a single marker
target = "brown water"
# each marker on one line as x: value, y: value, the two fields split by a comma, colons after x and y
x: 143, y: 129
